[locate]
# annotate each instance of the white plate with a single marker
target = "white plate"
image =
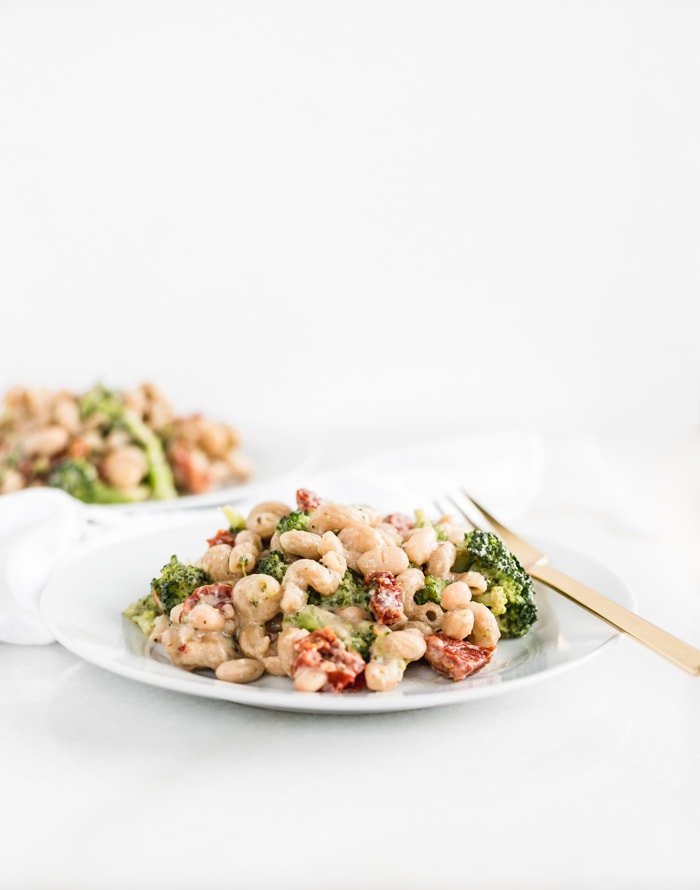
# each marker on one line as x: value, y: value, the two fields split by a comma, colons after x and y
x: 275, y: 459
x: 82, y: 606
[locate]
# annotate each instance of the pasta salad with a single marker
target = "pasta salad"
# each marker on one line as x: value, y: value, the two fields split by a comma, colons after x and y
x: 337, y: 597
x: 108, y: 447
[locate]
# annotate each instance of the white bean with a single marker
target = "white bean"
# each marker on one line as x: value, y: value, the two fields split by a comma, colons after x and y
x: 215, y: 562
x: 206, y: 618
x: 389, y: 535
x: 240, y: 670
x: 309, y: 680
x: 486, y: 632
x: 46, y: 442
x: 456, y: 596
x: 442, y: 560
x: 353, y: 613
x: 299, y: 543
x: 333, y: 517
x: 125, y: 467
x: 476, y: 581
x: 215, y: 439
x: 190, y: 650
x: 454, y: 533
x: 351, y: 557
x: 370, y: 516
x: 360, y: 537
x: 386, y: 558
x: 454, y: 530
x: 273, y: 665
x: 66, y: 414
x: 383, y: 676
x: 12, y: 480
x: 406, y: 644
x: 458, y: 624
x: 421, y: 545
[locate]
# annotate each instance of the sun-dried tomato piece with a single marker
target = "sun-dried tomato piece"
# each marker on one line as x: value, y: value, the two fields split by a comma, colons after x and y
x: 307, y: 500
x: 456, y: 659
x: 78, y: 448
x: 190, y: 468
x: 358, y: 685
x: 223, y: 536
x: 400, y: 521
x: 26, y: 467
x: 385, y: 600
x: 323, y: 651
x: 216, y: 595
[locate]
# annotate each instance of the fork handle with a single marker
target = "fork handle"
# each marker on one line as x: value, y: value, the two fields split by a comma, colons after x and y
x: 682, y: 654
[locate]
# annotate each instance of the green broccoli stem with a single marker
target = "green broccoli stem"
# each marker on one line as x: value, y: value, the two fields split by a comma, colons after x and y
x: 110, y: 404
x: 79, y: 478
x: 160, y: 476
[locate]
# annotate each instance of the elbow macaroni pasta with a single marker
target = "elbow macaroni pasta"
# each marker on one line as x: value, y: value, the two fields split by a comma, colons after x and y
x: 345, y: 599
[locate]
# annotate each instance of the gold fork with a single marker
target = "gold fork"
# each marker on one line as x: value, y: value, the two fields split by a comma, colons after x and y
x: 534, y: 561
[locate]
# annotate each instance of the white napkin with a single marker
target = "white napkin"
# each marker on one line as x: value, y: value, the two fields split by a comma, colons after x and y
x: 40, y: 527
x: 37, y: 529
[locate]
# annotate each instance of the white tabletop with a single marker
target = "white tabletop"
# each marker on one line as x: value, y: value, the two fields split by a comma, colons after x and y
x: 590, y: 777
x: 495, y: 198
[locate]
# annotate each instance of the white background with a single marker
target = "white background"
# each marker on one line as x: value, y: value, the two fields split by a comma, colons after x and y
x: 395, y: 212
x: 365, y: 219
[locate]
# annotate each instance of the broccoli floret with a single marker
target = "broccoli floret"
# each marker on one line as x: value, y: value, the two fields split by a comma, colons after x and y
x: 352, y: 591
x: 432, y: 592
x: 143, y: 613
x: 235, y: 520
x: 358, y: 636
x: 103, y: 401
x: 176, y: 583
x: 495, y: 598
x: 296, y: 521
x: 100, y: 400
x: 422, y: 521
x: 485, y: 553
x: 311, y: 618
x: 79, y: 478
x: 273, y: 564
x: 14, y: 458
x: 361, y: 638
